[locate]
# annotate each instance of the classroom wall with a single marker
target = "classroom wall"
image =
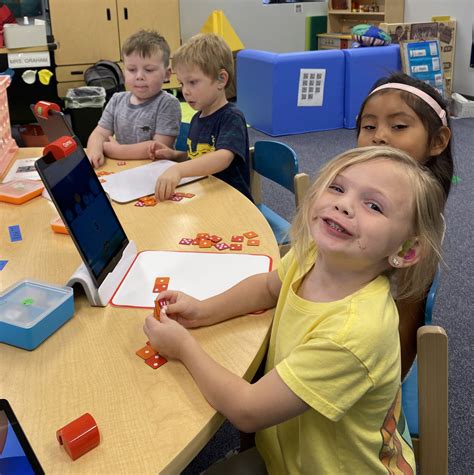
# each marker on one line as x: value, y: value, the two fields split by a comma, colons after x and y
x: 280, y: 29
x: 463, y: 12
x: 276, y: 27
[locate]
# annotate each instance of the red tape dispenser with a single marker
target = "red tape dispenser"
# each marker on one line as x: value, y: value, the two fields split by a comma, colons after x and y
x: 61, y: 147
x: 42, y: 108
x: 79, y: 436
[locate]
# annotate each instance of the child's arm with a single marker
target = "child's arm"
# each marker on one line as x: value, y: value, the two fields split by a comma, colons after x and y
x: 95, y: 145
x: 250, y: 407
x: 136, y: 151
x: 256, y: 292
x: 159, y: 151
x: 207, y: 164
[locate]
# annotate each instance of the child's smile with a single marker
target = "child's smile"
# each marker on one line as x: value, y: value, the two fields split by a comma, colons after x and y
x: 362, y: 216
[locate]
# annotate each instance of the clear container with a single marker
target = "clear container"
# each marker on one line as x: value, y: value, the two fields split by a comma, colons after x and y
x: 31, y: 311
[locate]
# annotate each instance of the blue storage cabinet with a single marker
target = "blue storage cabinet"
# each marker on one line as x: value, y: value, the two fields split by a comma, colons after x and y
x: 267, y: 91
x: 364, y: 66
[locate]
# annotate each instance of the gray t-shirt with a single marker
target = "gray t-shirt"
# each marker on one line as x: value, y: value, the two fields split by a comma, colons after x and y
x: 137, y: 123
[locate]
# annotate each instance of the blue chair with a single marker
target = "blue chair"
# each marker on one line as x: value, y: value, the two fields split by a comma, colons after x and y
x: 425, y: 393
x: 181, y: 141
x: 277, y: 162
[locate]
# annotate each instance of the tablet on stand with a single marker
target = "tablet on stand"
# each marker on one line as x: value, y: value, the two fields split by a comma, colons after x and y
x: 53, y: 122
x: 89, y: 217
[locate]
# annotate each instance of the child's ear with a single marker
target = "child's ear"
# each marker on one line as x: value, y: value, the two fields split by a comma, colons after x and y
x: 167, y: 74
x: 223, y: 77
x: 408, y: 255
x: 440, y: 142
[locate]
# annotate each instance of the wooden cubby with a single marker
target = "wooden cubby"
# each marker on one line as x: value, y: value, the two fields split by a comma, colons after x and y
x: 342, y: 17
x: 89, y: 30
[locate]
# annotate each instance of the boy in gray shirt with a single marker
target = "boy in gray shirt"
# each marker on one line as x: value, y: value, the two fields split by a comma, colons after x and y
x: 143, y: 114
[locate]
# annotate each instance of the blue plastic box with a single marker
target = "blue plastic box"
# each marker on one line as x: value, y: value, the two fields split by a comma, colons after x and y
x: 31, y: 311
x: 268, y: 85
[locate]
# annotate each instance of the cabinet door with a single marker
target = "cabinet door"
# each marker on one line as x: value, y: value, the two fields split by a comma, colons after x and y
x: 159, y: 15
x: 85, y: 30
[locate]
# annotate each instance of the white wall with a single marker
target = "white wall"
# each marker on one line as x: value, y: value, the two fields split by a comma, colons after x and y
x: 280, y: 29
x: 276, y: 27
x: 463, y: 12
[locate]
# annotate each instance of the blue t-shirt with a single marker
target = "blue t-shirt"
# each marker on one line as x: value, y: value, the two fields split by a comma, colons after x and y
x: 225, y: 129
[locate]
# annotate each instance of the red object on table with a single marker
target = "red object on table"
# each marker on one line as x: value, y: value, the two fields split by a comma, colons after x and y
x: 79, y: 436
x: 42, y: 108
x: 61, y: 147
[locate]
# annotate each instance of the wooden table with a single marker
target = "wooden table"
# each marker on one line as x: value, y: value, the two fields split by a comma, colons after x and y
x: 150, y: 420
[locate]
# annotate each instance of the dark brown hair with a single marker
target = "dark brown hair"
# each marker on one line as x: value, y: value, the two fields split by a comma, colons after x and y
x: 145, y: 43
x: 442, y: 165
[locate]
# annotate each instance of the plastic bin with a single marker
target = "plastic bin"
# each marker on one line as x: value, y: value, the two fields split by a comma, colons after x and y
x: 84, y: 105
x: 32, y: 135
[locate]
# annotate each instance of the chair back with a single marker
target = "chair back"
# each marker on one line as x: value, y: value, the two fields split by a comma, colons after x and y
x: 276, y: 161
x: 425, y: 392
x: 410, y: 384
x: 181, y: 141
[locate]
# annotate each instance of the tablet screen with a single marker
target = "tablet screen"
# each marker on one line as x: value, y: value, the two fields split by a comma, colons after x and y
x: 85, y: 210
x: 16, y: 454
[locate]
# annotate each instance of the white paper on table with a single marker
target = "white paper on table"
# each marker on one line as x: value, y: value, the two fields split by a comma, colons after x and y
x: 136, y: 182
x: 23, y: 169
x: 199, y: 274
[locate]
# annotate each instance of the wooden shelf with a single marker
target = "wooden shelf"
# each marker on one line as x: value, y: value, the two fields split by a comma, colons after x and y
x: 342, y: 20
x: 347, y: 12
x: 31, y: 49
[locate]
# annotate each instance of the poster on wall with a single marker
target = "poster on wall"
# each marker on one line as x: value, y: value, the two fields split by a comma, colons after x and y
x: 422, y: 60
x: 442, y: 29
x: 311, y: 87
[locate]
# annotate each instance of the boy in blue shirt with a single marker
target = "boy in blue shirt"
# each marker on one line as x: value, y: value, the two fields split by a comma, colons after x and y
x: 218, y: 141
x: 144, y: 113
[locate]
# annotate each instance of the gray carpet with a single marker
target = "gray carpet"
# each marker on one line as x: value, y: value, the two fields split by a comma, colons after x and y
x: 454, y: 306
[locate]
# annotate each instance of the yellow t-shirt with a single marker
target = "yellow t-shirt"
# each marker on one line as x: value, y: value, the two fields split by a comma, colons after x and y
x: 343, y: 359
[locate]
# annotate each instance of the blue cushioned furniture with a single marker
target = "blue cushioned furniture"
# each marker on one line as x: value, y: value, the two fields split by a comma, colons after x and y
x: 363, y: 66
x: 277, y: 162
x: 267, y: 91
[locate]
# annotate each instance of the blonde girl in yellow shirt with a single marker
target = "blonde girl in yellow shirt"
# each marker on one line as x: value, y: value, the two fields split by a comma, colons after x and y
x: 330, y: 397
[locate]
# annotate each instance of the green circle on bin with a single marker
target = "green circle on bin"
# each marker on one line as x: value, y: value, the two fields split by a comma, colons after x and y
x: 28, y: 301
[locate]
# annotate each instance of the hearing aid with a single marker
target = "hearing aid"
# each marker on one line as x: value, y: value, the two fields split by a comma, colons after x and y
x: 407, y: 251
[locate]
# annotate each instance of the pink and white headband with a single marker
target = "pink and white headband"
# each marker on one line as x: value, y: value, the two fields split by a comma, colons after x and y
x: 417, y: 92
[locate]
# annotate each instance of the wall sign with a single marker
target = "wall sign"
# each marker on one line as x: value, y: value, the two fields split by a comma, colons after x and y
x: 311, y: 87
x: 29, y: 60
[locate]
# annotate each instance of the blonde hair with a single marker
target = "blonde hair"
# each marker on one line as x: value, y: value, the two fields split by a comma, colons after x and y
x: 428, y: 223
x: 145, y: 43
x: 210, y: 53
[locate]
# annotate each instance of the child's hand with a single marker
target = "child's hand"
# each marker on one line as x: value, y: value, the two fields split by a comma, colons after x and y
x: 167, y: 183
x: 166, y: 335
x: 96, y: 158
x: 159, y: 151
x: 183, y: 308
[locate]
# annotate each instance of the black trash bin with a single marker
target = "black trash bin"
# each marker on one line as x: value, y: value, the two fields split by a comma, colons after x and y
x: 84, y: 105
